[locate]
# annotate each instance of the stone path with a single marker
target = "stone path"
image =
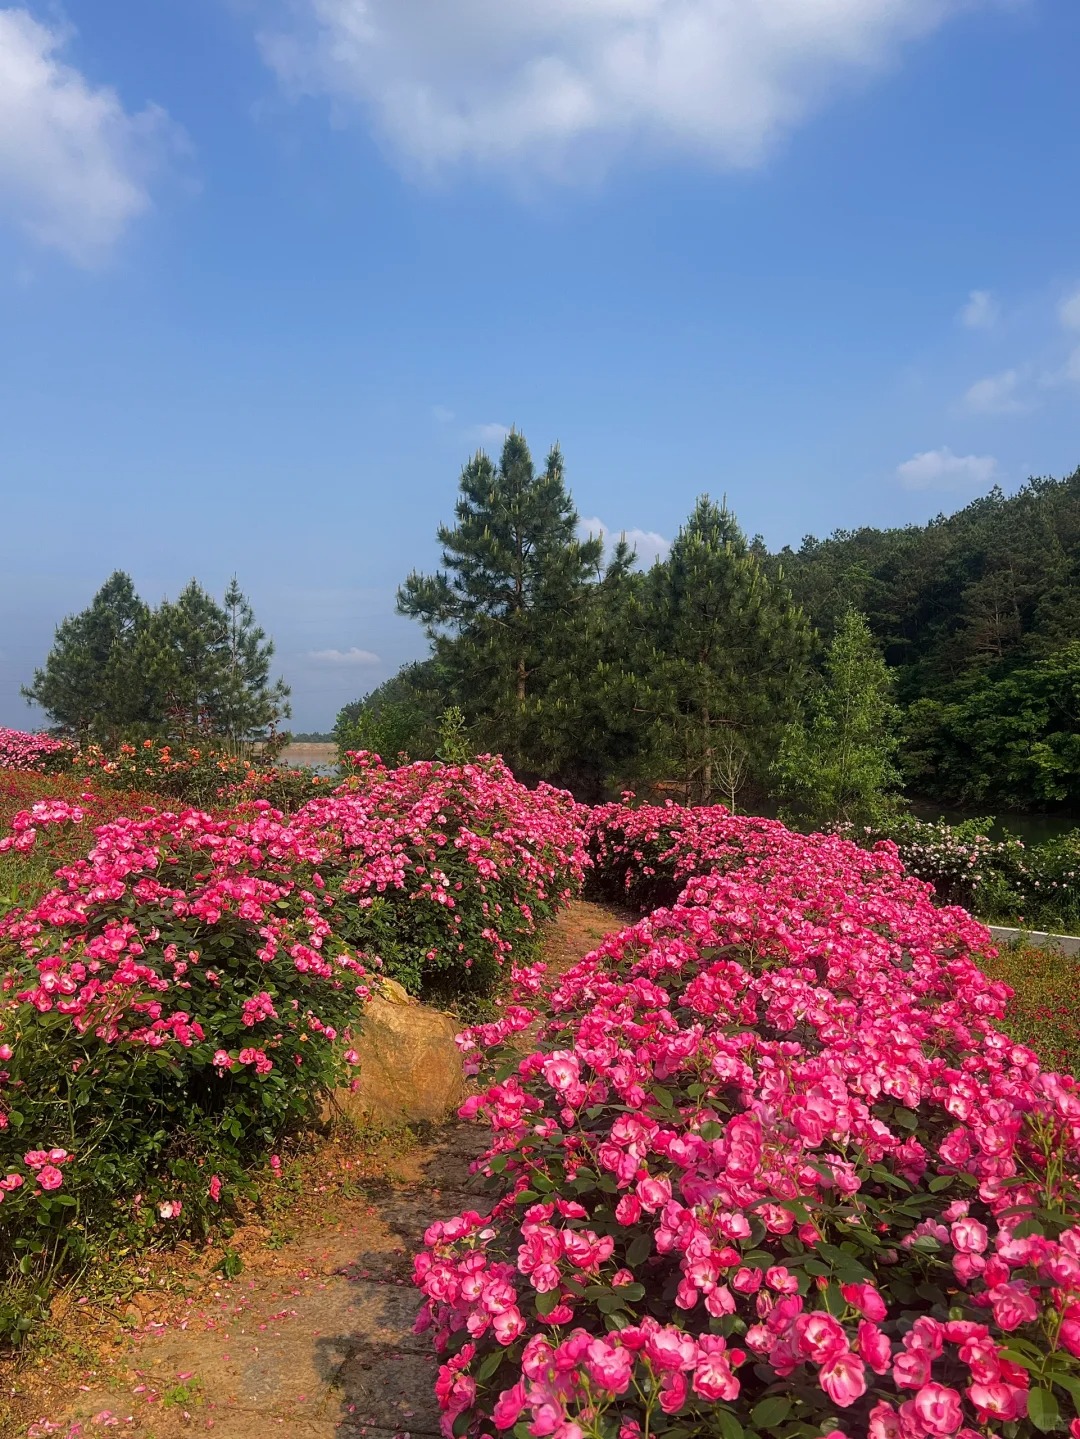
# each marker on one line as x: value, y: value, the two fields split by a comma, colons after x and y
x: 316, y: 1340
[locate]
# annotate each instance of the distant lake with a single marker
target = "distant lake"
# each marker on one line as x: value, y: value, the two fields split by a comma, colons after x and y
x: 322, y: 758
x: 1032, y: 828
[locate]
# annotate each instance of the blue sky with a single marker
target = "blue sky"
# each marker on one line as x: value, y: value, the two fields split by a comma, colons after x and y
x: 269, y: 272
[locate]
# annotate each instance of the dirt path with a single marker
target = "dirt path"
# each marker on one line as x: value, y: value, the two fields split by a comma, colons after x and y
x: 313, y: 1338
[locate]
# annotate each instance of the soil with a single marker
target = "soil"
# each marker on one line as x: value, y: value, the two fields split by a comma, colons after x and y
x: 314, y: 1336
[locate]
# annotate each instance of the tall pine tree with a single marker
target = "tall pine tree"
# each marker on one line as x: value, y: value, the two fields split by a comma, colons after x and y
x: 209, y: 666
x: 90, y: 685
x: 838, y: 763
x: 514, y: 572
x: 729, y: 661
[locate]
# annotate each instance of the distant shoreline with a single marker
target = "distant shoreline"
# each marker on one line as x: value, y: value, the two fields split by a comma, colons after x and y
x: 308, y: 753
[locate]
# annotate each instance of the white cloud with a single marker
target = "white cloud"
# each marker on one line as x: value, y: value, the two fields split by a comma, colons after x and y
x: 998, y: 395
x: 648, y: 544
x: 941, y: 469
x: 74, y: 164
x: 981, y: 311
x: 561, y: 85
x: 491, y: 434
x: 1069, y: 311
x: 441, y: 414
x: 352, y: 656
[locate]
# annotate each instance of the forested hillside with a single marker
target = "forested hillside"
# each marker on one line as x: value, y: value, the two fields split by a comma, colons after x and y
x: 978, y: 615
x: 717, y: 669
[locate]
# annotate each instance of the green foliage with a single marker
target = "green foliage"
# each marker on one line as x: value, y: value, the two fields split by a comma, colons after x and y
x: 454, y: 746
x: 91, y: 684
x: 977, y: 614
x: 398, y: 720
x: 837, y: 765
x: 190, y: 670
x: 208, y: 776
x: 1010, y: 738
x: 209, y: 666
x: 1001, y: 879
x: 513, y: 573
x: 592, y: 674
x: 729, y: 657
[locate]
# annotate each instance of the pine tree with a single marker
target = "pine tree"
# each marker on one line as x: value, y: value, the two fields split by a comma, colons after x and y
x: 90, y: 685
x: 209, y: 666
x: 250, y: 703
x: 514, y: 572
x: 594, y: 716
x: 730, y: 654
x: 838, y: 765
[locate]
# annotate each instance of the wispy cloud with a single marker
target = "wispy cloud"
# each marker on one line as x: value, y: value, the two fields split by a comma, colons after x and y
x: 352, y: 656
x: 941, y: 469
x: 1069, y: 311
x: 75, y: 165
x: 562, y: 87
x: 649, y: 545
x: 493, y: 433
x: 999, y: 395
x: 981, y: 312
x: 441, y: 415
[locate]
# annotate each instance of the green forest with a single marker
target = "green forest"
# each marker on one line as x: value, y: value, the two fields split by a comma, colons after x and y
x: 941, y: 661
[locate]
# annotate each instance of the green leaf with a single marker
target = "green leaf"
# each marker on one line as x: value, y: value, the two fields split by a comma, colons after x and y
x: 770, y: 1411
x: 545, y: 1303
x: 730, y: 1427
x: 907, y: 1118
x: 490, y: 1364
x: 1043, y: 1409
x: 638, y: 1250
x: 1070, y: 1383
x: 609, y: 1302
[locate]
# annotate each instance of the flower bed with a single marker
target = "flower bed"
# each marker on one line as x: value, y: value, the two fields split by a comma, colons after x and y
x: 774, y: 1170
x: 183, y: 996
x: 33, y: 753
x: 203, y: 775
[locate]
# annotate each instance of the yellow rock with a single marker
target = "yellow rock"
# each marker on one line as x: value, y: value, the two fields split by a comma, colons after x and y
x: 410, y: 1068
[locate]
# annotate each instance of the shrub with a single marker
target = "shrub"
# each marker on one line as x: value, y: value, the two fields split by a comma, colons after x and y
x: 33, y: 753
x: 25, y: 875
x: 170, y: 1009
x: 461, y: 866
x: 774, y: 1170
x: 206, y: 776
x: 182, y: 997
x: 1003, y: 880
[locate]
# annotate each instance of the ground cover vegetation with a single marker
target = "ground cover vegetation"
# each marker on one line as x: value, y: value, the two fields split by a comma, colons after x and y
x: 773, y: 1167
x: 179, y: 988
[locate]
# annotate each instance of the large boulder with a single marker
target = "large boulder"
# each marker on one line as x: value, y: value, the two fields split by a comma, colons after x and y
x: 410, y: 1068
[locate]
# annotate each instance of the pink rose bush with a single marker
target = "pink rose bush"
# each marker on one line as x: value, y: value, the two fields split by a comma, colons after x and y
x: 771, y: 1170
x: 189, y: 990
x: 33, y: 753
